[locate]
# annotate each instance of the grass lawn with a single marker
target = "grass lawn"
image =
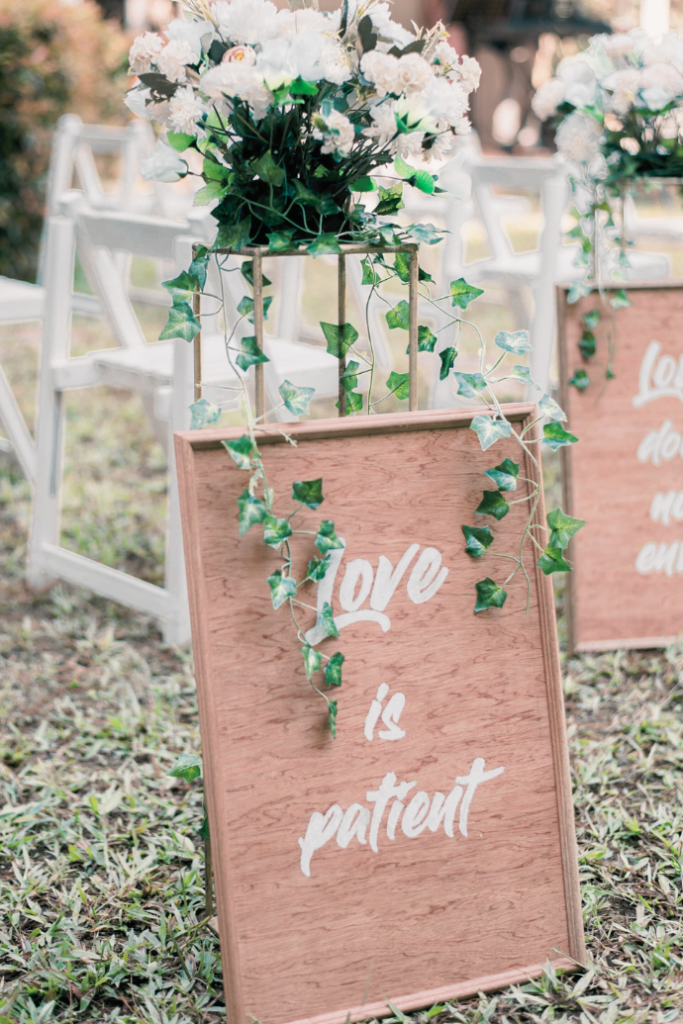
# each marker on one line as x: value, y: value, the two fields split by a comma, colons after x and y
x: 101, y: 873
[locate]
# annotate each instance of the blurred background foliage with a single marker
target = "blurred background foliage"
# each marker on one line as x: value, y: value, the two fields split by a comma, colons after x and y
x: 54, y: 59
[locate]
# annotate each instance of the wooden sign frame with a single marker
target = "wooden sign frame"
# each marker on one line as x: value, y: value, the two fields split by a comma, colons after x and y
x: 548, y: 902
x: 624, y: 598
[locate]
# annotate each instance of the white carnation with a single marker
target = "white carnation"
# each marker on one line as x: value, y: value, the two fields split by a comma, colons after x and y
x: 579, y: 79
x: 144, y: 51
x: 412, y: 74
x: 381, y: 19
x: 335, y: 64
x: 186, y: 109
x: 441, y: 148
x: 446, y: 101
x: 383, y: 127
x: 548, y: 98
x: 173, y: 58
x: 623, y: 86
x: 247, y: 21
x: 380, y: 69
x: 578, y: 137
x: 137, y: 102
x: 165, y: 164
x: 408, y: 146
x: 238, y: 79
x: 444, y: 55
x: 469, y: 73
x: 336, y: 131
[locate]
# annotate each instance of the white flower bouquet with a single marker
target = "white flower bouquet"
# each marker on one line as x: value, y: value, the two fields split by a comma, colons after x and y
x: 292, y: 111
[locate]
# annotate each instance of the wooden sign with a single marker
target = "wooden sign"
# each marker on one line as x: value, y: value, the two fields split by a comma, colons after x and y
x: 625, y: 478
x: 428, y: 852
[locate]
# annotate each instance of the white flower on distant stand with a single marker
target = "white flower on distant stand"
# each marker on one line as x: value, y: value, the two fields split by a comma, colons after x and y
x: 144, y: 52
x: 165, y: 164
x: 247, y: 21
x: 618, y: 45
x: 173, y: 58
x: 197, y: 34
x: 547, y: 98
x: 336, y: 131
x: 659, y: 85
x: 186, y: 109
x: 382, y: 22
x: 623, y: 86
x: 669, y: 51
x: 237, y: 79
x: 578, y: 137
x: 579, y: 79
x: 137, y: 102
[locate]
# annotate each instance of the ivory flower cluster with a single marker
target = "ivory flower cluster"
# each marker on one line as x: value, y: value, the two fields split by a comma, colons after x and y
x: 332, y: 95
x: 620, y: 98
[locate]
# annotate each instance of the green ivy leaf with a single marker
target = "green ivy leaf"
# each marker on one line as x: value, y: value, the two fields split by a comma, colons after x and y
x: 426, y: 340
x: 266, y: 168
x: 333, y: 670
x: 300, y: 87
x: 578, y: 290
x: 463, y: 293
x: 492, y: 504
x: 609, y: 372
x: 199, y: 266
x: 504, y: 475
x: 370, y: 275
x: 212, y: 190
x: 203, y: 413
x: 281, y: 588
x: 399, y: 316
x: 592, y: 319
x: 354, y: 402
x: 280, y: 241
x: 349, y: 378
x: 470, y: 384
x: 489, y: 430
x: 250, y: 353
x: 181, y: 323
x: 513, y: 341
x: 297, y: 400
x: 203, y: 830
x: 552, y: 561
x: 402, y: 266
x: 478, y: 540
x: 523, y: 374
x: 364, y: 184
x: 312, y: 660
x: 549, y: 407
x: 325, y: 243
x: 326, y: 620
x: 563, y: 528
x: 555, y: 436
x: 587, y: 344
x: 327, y: 539
x: 180, y: 140
x: 332, y: 718
x: 426, y: 233
x: 188, y: 767
x: 399, y: 384
x: 234, y: 236
x: 275, y: 531
x: 620, y: 300
x: 317, y: 567
x: 181, y: 288
x: 247, y: 272
x: 390, y: 200
x: 251, y: 511
x: 246, y: 307
x: 580, y: 379
x: 339, y: 339
x: 447, y: 357
x: 308, y: 492
x: 489, y: 595
x: 241, y: 450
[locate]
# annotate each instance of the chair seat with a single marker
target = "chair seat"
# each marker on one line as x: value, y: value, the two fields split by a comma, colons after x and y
x: 20, y: 300
x: 526, y: 267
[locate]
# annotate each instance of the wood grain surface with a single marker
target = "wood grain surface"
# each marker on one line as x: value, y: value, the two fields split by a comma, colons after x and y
x: 426, y: 917
x: 611, y: 603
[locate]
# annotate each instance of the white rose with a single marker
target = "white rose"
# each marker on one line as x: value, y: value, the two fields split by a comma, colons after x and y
x: 276, y: 63
x: 186, y: 109
x: 247, y: 21
x: 237, y: 79
x: 173, y: 58
x: 660, y: 84
x: 165, y: 164
x: 580, y: 82
x: 137, y: 102
x: 413, y: 74
x: 578, y: 137
x: 669, y: 51
x: 306, y: 20
x: 144, y: 51
x: 548, y: 98
x: 335, y: 64
x: 623, y: 86
x: 416, y: 113
x: 197, y: 34
x: 618, y: 45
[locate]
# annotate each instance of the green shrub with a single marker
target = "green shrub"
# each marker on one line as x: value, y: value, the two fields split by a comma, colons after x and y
x: 53, y: 59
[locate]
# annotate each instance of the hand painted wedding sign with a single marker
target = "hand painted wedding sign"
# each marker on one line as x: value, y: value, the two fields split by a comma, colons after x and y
x: 627, y: 587
x: 428, y: 852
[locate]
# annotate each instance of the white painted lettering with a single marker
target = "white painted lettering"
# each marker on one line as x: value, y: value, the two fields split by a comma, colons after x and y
x: 321, y: 828
x: 422, y: 584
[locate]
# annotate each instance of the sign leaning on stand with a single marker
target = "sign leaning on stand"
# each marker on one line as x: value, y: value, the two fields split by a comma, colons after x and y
x: 428, y: 851
x: 627, y: 586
